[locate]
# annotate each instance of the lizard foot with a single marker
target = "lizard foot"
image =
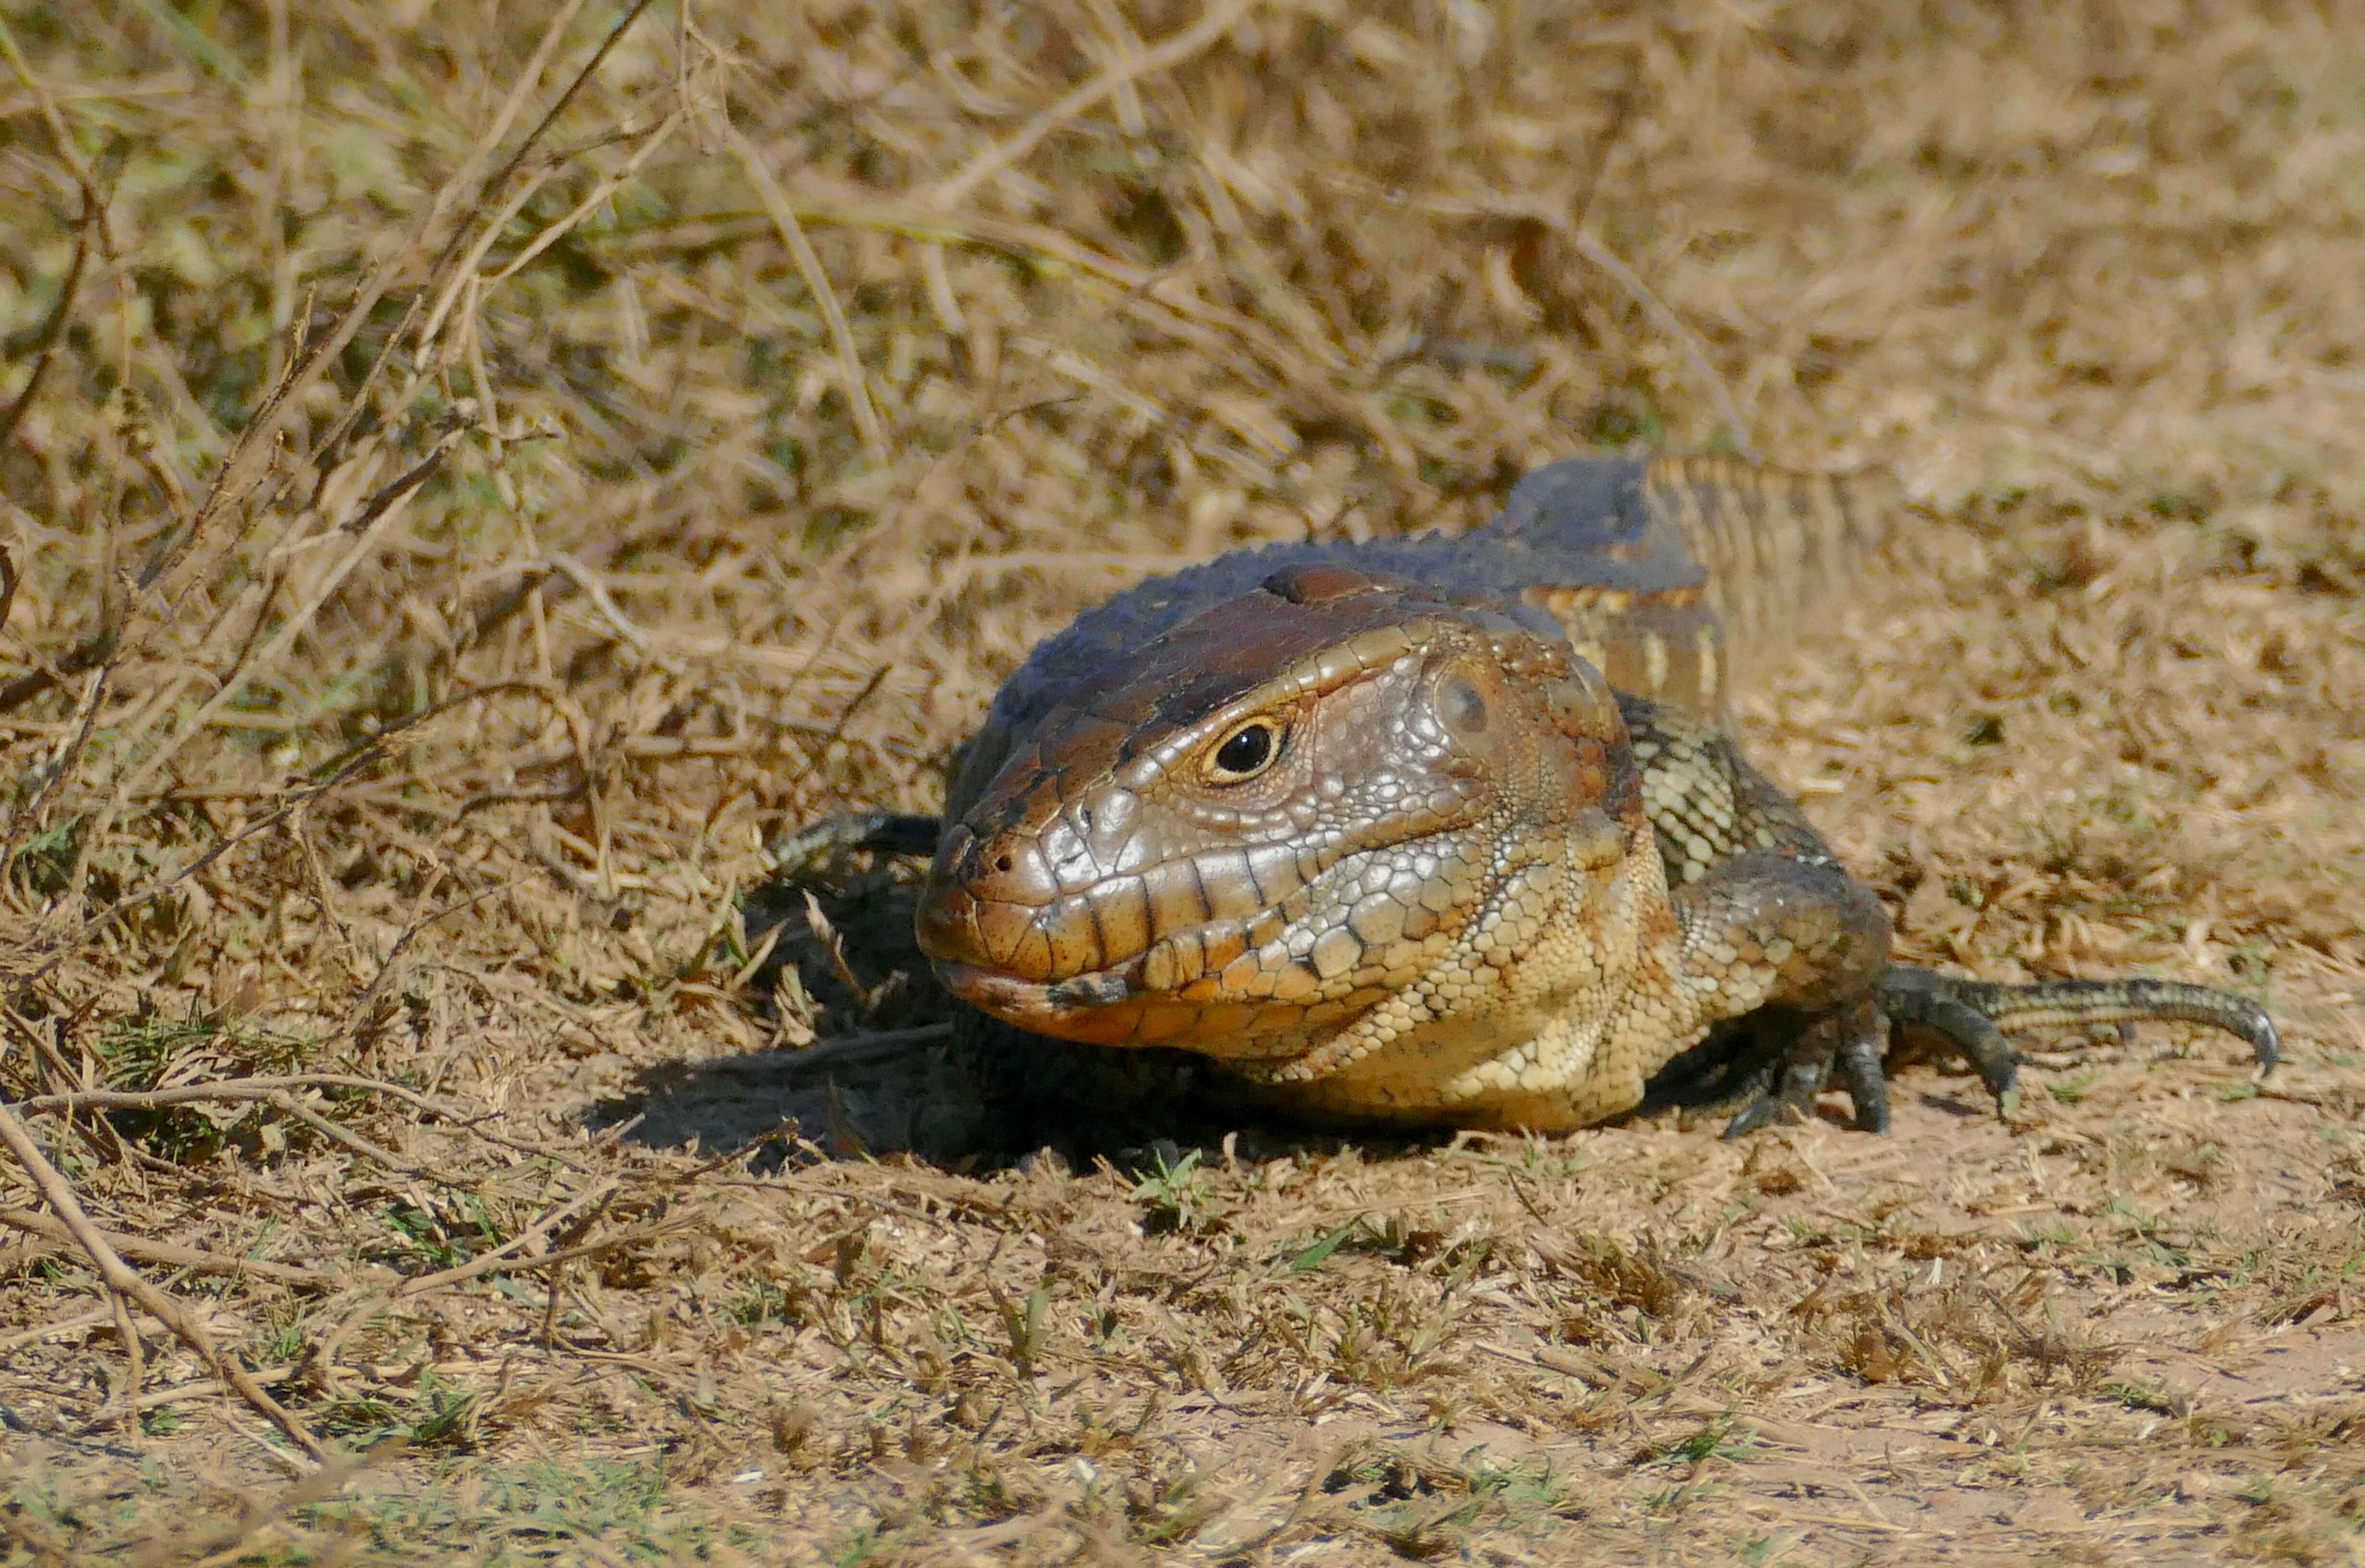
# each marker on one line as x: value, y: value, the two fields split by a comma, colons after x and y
x: 1770, y: 1067
x: 1786, y: 1083
x: 1972, y: 1015
x: 1926, y: 1000
x: 890, y: 833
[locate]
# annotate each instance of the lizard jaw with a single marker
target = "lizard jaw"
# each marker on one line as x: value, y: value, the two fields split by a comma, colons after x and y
x: 1097, y: 1009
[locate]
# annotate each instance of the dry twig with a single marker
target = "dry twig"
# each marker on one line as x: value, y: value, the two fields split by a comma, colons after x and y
x: 127, y: 1284
x: 170, y: 1255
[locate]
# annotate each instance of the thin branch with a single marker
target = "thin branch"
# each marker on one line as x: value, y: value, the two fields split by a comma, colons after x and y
x: 377, y: 515
x: 56, y: 1327
x: 262, y: 431
x: 585, y: 578
x: 346, y: 1137
x: 234, y: 1090
x: 819, y: 754
x: 168, y: 1255
x: 504, y: 1256
x: 399, y: 487
x: 127, y: 1282
x: 222, y: 1089
x: 559, y: 107
x: 84, y: 656
x: 607, y: 187
x: 608, y: 1243
x: 552, y: 34
x: 58, y: 771
x: 52, y: 333
x: 342, y: 769
x: 1185, y: 317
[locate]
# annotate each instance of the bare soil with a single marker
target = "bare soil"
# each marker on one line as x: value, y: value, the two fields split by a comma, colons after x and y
x: 471, y: 477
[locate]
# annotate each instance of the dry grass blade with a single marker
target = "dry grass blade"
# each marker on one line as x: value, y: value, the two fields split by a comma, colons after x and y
x: 267, y: 1088
x: 1591, y: 247
x: 171, y: 1256
x: 504, y: 1256
x: 783, y: 215
x: 1220, y: 19
x: 464, y: 189
x: 620, y: 1240
x: 568, y: 222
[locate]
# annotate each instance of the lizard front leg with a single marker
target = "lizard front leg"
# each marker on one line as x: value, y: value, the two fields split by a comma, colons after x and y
x: 1783, y: 956
x: 1744, y: 867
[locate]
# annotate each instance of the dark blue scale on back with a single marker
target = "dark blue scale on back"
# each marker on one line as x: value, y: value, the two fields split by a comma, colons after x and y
x: 1582, y: 522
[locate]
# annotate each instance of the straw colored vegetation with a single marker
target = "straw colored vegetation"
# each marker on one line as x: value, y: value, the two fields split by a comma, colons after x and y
x: 472, y: 475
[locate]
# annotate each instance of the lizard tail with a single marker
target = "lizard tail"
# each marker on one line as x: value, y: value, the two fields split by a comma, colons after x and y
x: 1775, y: 545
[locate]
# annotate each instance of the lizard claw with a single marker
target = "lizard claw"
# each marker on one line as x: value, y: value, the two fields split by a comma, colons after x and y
x: 1865, y: 1075
x: 1937, y: 1007
x: 1786, y: 1085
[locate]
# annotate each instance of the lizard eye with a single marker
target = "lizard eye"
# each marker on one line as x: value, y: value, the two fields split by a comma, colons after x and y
x: 1462, y: 704
x: 1245, y: 752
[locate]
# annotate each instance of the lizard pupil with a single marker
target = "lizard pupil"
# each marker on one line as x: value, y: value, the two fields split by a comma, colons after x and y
x: 1464, y: 705
x: 1246, y: 753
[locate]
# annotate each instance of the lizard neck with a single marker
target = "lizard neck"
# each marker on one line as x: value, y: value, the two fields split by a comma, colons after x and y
x: 1567, y: 996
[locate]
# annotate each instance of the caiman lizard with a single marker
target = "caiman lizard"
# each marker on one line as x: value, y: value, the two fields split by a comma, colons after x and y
x: 1450, y: 831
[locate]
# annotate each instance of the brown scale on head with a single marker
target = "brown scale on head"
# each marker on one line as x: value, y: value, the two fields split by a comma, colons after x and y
x: 1279, y: 815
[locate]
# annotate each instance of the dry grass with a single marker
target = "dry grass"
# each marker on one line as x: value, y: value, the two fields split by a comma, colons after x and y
x: 468, y: 487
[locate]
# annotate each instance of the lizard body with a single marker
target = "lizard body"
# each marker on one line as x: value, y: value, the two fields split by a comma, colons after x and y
x: 1451, y: 830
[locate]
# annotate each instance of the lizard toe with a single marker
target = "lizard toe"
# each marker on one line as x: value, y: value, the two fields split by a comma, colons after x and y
x: 1919, y: 1000
x: 1863, y: 1073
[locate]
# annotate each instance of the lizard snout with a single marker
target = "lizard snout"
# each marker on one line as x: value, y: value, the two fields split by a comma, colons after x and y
x: 984, y: 903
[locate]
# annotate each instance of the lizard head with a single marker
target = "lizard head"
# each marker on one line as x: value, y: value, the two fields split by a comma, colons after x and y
x: 1256, y: 828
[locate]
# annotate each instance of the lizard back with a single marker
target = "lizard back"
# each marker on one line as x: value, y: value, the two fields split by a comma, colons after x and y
x: 1674, y: 575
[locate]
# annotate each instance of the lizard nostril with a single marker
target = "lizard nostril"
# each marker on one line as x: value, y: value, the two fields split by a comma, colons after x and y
x: 1002, y: 864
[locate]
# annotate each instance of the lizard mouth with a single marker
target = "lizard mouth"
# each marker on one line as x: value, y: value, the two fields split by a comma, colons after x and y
x: 1100, y: 1008
x: 1002, y: 956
